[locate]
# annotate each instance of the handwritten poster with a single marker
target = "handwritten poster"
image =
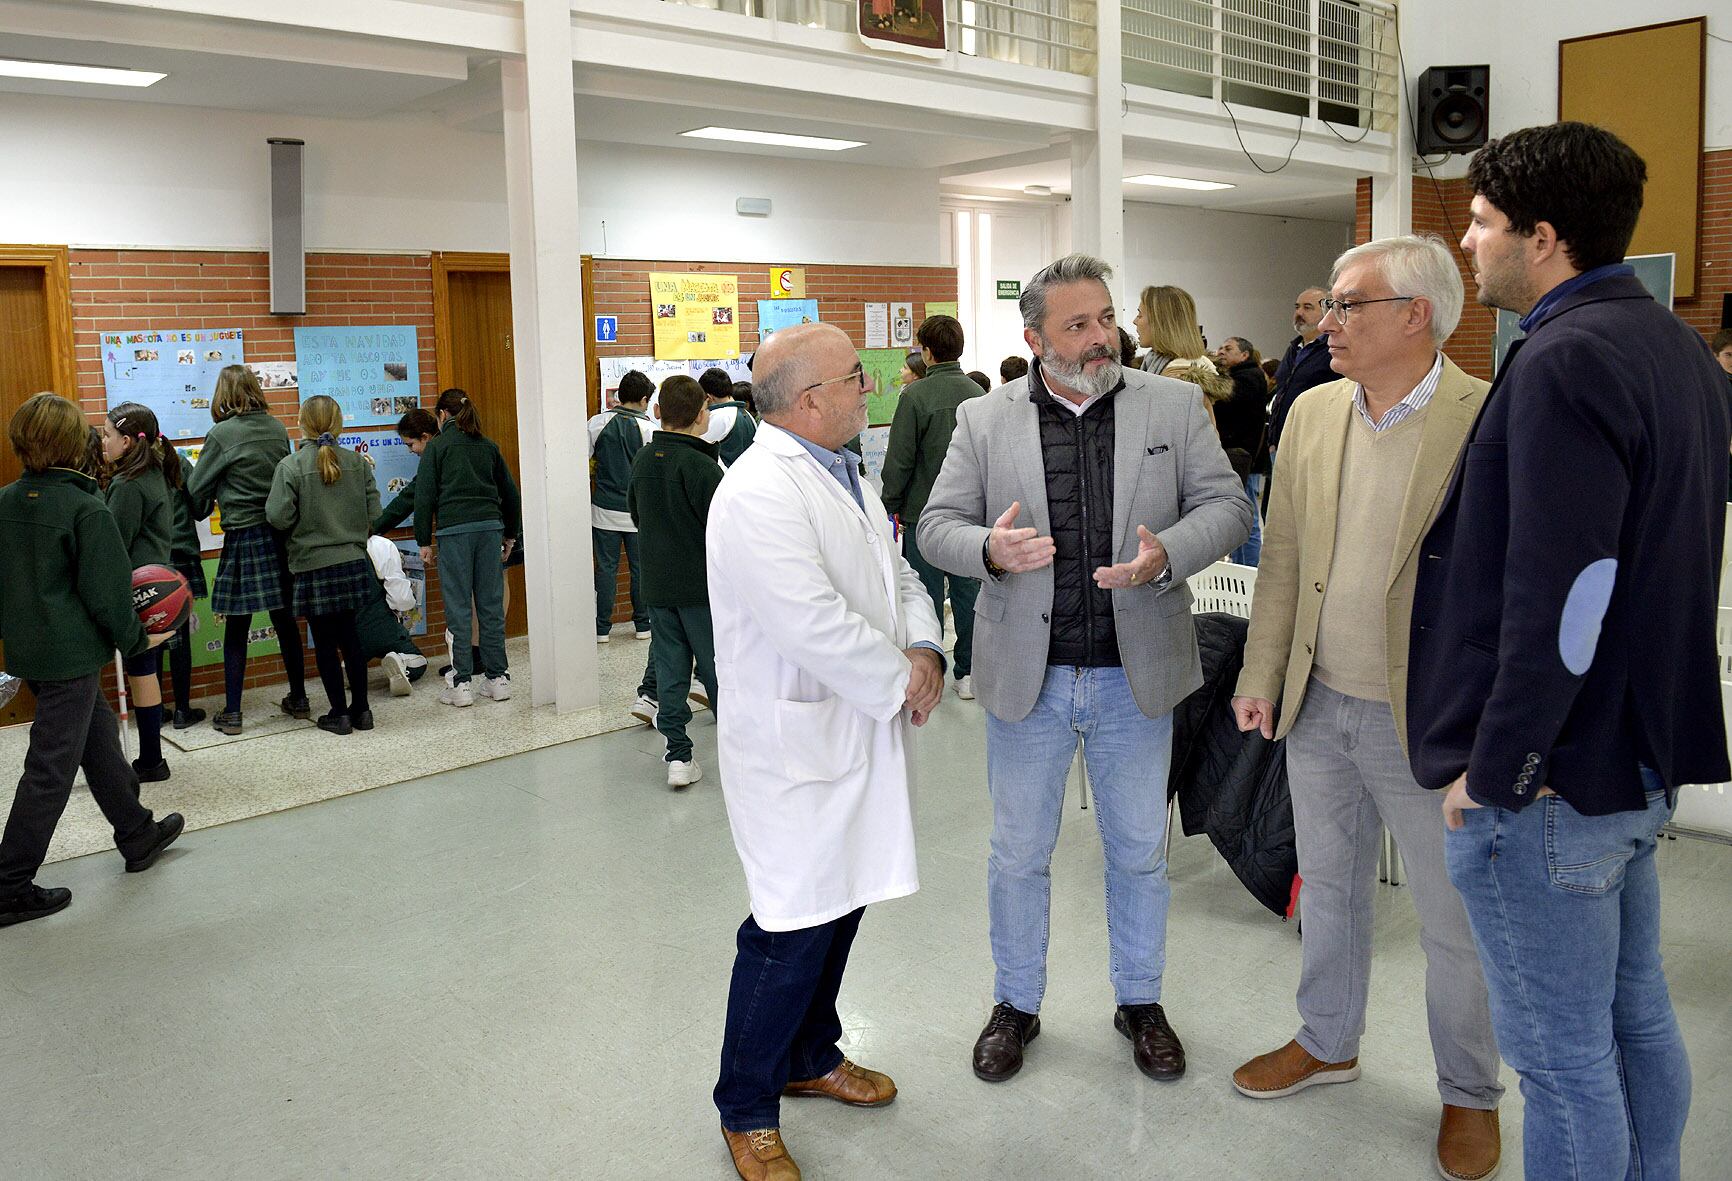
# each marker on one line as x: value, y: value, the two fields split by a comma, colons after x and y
x: 696, y: 316
x: 776, y: 314
x: 415, y: 570
x: 885, y: 367
x: 393, y: 463
x: 173, y: 371
x: 373, y: 372
x: 614, y: 368
x: 877, y: 325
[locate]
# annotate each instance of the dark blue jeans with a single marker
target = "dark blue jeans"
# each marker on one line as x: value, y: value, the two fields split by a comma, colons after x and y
x: 607, y: 547
x: 782, y: 1021
x: 963, y: 593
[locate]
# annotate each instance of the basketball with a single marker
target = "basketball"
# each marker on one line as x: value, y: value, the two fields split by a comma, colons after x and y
x: 161, y: 597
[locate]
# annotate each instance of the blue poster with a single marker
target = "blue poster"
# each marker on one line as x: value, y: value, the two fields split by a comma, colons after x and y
x: 173, y: 371
x: 393, y: 463
x: 774, y: 314
x: 373, y: 372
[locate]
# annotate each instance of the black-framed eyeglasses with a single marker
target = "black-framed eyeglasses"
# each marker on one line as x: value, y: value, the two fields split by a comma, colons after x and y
x: 858, y: 373
x: 1342, y: 308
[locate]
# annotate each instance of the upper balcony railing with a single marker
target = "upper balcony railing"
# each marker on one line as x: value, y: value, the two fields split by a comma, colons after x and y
x: 1332, y: 59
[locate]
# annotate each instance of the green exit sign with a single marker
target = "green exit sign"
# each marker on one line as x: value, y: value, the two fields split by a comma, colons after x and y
x: 1010, y: 289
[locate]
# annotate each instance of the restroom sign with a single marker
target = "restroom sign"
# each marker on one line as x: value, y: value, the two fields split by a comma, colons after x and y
x: 606, y: 329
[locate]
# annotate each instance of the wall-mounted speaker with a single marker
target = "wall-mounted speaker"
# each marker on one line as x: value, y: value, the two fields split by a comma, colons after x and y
x: 1452, y: 109
x: 288, y: 229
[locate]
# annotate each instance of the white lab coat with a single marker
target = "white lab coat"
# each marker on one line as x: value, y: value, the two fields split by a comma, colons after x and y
x: 813, y: 605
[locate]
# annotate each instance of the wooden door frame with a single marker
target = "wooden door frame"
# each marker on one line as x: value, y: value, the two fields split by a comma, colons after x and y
x: 57, y: 292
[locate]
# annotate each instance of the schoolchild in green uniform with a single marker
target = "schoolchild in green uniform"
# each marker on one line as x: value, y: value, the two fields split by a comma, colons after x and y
x: 65, y: 607
x: 185, y: 554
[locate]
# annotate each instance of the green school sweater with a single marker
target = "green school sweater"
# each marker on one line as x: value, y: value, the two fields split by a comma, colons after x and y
x: 920, y: 436
x: 462, y: 480
x: 66, y: 581
x: 235, y: 468
x: 733, y: 444
x: 327, y: 524
x: 673, y: 480
x: 616, y: 445
x: 145, y: 516
x: 184, y: 546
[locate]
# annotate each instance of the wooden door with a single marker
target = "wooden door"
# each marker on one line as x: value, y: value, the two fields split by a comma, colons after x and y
x: 476, y: 356
x: 35, y: 355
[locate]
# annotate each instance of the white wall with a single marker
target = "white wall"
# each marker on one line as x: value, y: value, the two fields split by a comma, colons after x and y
x: 109, y: 173
x: 1519, y: 40
x: 1243, y: 269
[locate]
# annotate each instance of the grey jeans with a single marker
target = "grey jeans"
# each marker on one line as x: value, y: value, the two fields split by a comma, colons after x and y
x: 1349, y: 779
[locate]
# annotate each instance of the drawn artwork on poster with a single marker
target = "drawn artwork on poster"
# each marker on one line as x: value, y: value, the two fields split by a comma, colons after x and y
x: 885, y: 368
x: 394, y: 465
x: 275, y: 375
x: 776, y: 314
x: 614, y: 368
x: 374, y: 372
x: 415, y: 570
x: 696, y: 315
x: 173, y: 371
x: 902, y: 325
x: 210, y: 530
x: 874, y: 446
x: 206, y: 629
x: 906, y: 26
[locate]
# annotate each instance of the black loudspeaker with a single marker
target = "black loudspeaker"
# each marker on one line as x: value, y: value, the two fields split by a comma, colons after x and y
x: 1452, y: 111
x: 288, y: 231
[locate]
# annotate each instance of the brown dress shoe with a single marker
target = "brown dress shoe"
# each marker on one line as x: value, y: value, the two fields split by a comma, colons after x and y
x: 761, y: 1156
x: 998, y: 1049
x: 1154, y: 1045
x: 1469, y: 1144
x: 1290, y: 1069
x: 854, y: 1085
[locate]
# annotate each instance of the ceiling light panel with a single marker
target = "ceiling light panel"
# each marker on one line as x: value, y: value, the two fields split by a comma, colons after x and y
x: 1177, y: 182
x: 774, y: 139
x: 66, y: 72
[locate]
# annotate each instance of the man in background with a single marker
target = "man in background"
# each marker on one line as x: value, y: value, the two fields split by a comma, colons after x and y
x: 1242, y: 420
x: 1303, y: 365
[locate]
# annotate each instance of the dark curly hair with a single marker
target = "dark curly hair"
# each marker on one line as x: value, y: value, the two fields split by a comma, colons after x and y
x: 1582, y: 179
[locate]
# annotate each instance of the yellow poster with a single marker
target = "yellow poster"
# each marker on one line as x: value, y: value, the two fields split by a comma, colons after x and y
x: 697, y: 317
x: 787, y: 282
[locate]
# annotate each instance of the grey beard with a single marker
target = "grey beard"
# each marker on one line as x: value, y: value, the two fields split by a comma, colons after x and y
x: 1080, y: 379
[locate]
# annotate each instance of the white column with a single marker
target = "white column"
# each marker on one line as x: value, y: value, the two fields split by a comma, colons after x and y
x: 547, y: 322
x: 1097, y: 158
x: 1392, y: 193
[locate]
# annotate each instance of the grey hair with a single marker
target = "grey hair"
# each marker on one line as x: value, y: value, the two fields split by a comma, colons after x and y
x: 1418, y: 265
x: 775, y: 390
x: 1072, y: 268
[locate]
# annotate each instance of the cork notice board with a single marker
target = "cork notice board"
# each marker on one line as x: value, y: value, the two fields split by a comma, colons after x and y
x: 1646, y: 86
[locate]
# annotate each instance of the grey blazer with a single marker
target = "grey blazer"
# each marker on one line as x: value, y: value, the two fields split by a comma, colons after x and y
x: 1169, y: 474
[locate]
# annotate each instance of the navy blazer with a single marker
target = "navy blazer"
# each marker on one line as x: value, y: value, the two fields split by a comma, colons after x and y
x: 1563, y: 621
x: 1302, y: 367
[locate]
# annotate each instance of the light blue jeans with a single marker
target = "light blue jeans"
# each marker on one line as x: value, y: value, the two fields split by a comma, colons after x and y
x: 1249, y: 553
x: 1565, y: 909
x: 1027, y: 765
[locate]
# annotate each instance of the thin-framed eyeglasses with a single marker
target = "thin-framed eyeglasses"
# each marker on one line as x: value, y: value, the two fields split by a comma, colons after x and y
x: 1343, y: 308
x: 858, y: 373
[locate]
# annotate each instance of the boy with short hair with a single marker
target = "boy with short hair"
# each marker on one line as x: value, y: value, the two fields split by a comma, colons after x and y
x: 731, y: 426
x: 615, y: 437
x: 672, y: 482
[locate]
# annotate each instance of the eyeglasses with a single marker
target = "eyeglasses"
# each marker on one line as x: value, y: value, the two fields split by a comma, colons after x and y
x: 858, y: 373
x: 1343, y: 308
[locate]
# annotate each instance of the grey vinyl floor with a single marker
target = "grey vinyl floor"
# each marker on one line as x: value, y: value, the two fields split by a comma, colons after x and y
x: 519, y: 969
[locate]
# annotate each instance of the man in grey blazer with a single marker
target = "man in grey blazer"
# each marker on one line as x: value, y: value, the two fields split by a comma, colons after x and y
x: 1083, y: 496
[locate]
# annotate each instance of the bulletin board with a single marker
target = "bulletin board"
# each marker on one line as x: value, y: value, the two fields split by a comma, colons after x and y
x: 1614, y: 80
x: 172, y: 371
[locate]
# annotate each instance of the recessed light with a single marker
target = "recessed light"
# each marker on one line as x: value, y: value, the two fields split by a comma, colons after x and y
x: 775, y: 139
x: 1176, y: 182
x: 65, y: 72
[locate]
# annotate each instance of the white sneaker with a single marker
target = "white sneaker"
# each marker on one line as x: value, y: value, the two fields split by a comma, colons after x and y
x: 604, y: 638
x: 460, y: 695
x: 965, y: 687
x: 498, y: 688
x: 644, y: 709
x: 397, y: 672
x: 644, y: 634
x: 684, y: 774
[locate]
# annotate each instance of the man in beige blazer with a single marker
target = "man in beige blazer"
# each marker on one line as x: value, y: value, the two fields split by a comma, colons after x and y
x: 1363, y: 467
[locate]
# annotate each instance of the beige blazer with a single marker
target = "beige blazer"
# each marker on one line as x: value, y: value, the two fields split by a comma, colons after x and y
x: 1299, y: 538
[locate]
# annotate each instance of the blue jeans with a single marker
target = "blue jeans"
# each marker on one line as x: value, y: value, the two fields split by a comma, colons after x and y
x: 1565, y: 909
x: 1027, y: 765
x: 1247, y: 554
x: 607, y: 547
x: 782, y: 1021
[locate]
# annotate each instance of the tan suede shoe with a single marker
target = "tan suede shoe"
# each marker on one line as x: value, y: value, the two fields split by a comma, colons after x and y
x: 1469, y: 1144
x: 850, y: 1084
x: 1290, y: 1069
x: 761, y: 1156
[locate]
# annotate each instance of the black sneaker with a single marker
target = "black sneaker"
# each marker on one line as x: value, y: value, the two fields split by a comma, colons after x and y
x: 361, y: 719
x: 154, y: 774
x: 335, y: 723
x: 184, y: 718
x: 33, y: 902
x: 297, y: 707
x: 168, y: 830
x: 227, y: 722
x: 998, y: 1049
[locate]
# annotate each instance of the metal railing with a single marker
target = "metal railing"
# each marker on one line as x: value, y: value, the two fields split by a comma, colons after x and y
x: 1334, y: 59
x: 1043, y: 34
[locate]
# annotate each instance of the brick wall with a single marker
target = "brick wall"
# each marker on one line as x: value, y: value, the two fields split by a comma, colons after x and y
x: 621, y: 288
x: 136, y: 289
x: 1443, y: 210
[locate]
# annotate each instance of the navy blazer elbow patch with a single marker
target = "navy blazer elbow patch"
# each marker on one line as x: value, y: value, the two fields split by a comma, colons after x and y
x: 1584, y: 612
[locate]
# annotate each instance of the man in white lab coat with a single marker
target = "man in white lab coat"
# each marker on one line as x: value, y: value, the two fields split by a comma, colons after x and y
x: 827, y: 648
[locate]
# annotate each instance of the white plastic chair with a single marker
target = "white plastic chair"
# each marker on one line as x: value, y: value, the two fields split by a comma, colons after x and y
x: 1225, y: 587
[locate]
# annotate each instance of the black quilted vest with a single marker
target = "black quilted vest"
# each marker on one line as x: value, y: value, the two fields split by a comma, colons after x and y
x: 1077, y: 451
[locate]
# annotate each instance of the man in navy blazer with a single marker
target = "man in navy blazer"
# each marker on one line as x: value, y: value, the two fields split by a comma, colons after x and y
x: 1562, y: 681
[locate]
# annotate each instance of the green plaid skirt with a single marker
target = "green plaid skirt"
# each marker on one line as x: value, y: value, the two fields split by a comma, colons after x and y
x: 343, y: 587
x: 253, y: 572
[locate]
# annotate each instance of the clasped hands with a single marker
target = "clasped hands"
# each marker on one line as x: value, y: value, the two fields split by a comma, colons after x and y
x: 925, y: 684
x: 1018, y: 551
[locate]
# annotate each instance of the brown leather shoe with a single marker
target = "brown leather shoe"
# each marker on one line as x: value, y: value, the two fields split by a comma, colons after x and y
x: 1154, y: 1045
x: 1289, y: 1069
x: 1469, y: 1144
x: 998, y: 1049
x: 854, y: 1085
x: 761, y: 1156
